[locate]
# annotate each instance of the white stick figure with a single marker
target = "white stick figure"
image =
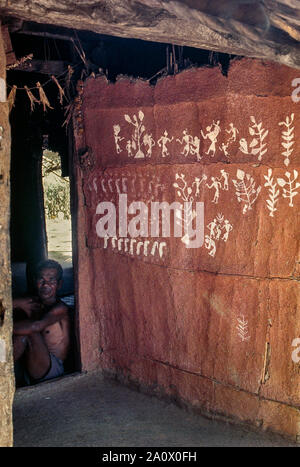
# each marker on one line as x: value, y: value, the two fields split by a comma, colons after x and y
x: 210, y: 245
x: 228, y: 227
x: 195, y: 148
x: 162, y: 142
x: 232, y: 132
x: 118, y: 138
x: 216, y: 185
x: 224, y: 176
x: 212, y: 134
x: 187, y: 140
x: 129, y: 148
x: 211, y: 226
x: 148, y: 141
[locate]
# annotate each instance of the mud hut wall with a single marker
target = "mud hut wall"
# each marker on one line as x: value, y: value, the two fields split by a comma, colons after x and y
x: 215, y: 326
x: 7, y: 386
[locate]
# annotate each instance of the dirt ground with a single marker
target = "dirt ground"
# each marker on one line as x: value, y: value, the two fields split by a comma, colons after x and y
x: 60, y: 241
x: 91, y: 411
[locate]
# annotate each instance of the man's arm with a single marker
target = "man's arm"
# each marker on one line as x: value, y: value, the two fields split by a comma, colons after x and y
x: 28, y: 327
x: 26, y: 304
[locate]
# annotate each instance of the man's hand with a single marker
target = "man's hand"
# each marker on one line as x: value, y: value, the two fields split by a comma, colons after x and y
x: 28, y: 304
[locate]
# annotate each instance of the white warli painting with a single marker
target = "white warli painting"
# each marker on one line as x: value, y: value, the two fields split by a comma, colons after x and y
x: 274, y: 193
x: 256, y: 147
x: 289, y: 186
x: 212, y: 133
x: 163, y: 142
x: 191, y: 145
x: 218, y: 230
x: 242, y: 328
x: 136, y: 146
x: 287, y: 136
x: 246, y: 190
x: 135, y: 247
x: 187, y: 194
x: 232, y: 132
x: 141, y: 143
x: 218, y: 183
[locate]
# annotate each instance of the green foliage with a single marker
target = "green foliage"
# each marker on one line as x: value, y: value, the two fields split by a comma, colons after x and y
x: 57, y: 199
x: 56, y: 188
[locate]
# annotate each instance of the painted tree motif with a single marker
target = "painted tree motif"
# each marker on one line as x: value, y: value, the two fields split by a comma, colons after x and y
x: 136, y: 139
x: 184, y: 217
x: 246, y: 190
x: 291, y: 186
x: 273, y: 193
x: 257, y: 147
x: 187, y: 193
x: 287, y: 136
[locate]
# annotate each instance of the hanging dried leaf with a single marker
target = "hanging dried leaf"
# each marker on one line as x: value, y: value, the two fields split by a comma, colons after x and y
x: 12, y: 97
x: 43, y: 98
x: 69, y: 113
x: 69, y: 76
x: 60, y: 89
x: 32, y: 98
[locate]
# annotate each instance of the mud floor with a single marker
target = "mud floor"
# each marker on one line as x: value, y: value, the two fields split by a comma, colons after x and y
x: 89, y: 410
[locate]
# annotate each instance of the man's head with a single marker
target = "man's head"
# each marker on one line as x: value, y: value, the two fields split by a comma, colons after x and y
x: 48, y: 280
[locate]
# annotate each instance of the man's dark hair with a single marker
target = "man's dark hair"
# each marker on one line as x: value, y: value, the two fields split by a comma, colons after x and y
x: 49, y: 263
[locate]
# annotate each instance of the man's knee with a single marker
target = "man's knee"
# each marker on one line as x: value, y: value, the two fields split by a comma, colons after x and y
x: 20, y: 344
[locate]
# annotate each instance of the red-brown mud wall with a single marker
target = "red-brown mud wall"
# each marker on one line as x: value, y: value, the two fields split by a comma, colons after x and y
x: 215, y: 326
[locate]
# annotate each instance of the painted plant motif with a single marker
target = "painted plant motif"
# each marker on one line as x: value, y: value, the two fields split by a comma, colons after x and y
x: 242, y: 328
x: 135, y: 144
x: 289, y: 186
x: 219, y: 229
x: 256, y: 147
x: 185, y: 192
x: 287, y: 136
x: 273, y: 193
x: 246, y: 190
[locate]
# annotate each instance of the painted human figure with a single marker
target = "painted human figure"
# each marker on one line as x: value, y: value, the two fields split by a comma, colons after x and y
x: 212, y: 225
x: 210, y: 245
x: 224, y: 176
x: 129, y: 148
x: 219, y: 231
x: 162, y: 143
x: 118, y: 138
x: 198, y: 182
x: 195, y: 148
x: 216, y: 185
x: 186, y: 140
x: 148, y: 141
x: 224, y: 147
x: 233, y: 132
x: 212, y: 134
x: 228, y: 228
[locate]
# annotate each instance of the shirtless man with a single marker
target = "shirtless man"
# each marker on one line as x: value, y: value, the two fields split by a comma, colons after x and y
x: 42, y: 335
